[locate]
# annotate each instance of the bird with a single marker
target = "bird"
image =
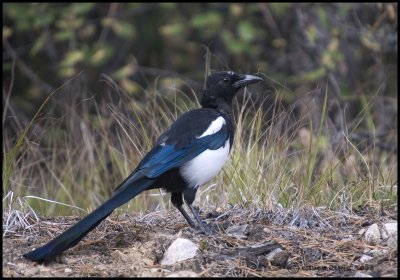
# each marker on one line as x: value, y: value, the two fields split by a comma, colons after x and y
x: 186, y: 156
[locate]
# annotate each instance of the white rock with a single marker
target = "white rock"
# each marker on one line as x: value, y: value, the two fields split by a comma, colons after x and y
x: 372, y: 234
x: 31, y: 271
x: 68, y: 271
x: 101, y: 267
x: 181, y: 249
x: 378, y: 252
x: 267, y: 230
x: 69, y: 261
x: 361, y: 275
x: 390, y: 228
x: 364, y: 258
x: 154, y: 270
x: 21, y: 266
x: 183, y: 273
x: 119, y: 256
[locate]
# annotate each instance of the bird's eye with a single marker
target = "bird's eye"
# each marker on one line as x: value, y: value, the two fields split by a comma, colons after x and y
x: 226, y: 80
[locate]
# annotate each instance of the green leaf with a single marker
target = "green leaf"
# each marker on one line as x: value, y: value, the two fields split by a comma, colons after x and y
x: 101, y: 55
x: 67, y: 72
x: 280, y: 8
x: 63, y: 35
x: 233, y: 45
x: 206, y: 20
x: 7, y: 32
x: 73, y: 58
x: 123, y: 29
x: 246, y: 31
x: 81, y: 8
x: 171, y: 30
x: 314, y: 75
x: 367, y: 39
x: 311, y: 32
x: 124, y: 72
x: 130, y: 86
x: 168, y: 6
x: 44, y: 19
x: 39, y: 44
x: 236, y: 9
x: 71, y: 22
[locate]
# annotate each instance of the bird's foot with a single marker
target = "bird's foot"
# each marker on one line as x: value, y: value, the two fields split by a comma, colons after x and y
x: 203, y: 229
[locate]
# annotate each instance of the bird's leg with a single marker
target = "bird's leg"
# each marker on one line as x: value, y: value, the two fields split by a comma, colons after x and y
x: 200, y: 222
x: 188, y: 219
x: 177, y: 201
x: 189, y: 195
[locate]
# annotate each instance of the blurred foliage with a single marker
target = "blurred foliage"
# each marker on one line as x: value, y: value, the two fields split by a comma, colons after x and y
x: 295, y: 45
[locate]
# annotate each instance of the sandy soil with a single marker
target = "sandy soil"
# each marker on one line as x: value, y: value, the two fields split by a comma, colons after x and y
x: 314, y: 242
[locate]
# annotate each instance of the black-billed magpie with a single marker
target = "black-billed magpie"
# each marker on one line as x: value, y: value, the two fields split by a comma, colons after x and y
x: 187, y: 155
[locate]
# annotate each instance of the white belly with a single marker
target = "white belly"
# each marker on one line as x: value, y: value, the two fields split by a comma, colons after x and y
x: 205, y: 166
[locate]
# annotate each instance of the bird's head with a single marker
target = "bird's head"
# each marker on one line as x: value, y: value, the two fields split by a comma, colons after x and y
x: 221, y: 87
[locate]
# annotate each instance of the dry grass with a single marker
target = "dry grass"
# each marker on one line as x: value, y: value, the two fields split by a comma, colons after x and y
x: 80, y: 145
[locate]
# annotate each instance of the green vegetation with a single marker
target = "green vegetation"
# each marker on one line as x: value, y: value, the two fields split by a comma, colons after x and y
x: 88, y: 88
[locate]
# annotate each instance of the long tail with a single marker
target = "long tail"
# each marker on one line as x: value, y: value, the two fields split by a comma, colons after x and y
x: 130, y: 188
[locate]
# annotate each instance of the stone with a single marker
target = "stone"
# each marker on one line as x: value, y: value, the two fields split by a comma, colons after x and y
x: 237, y: 231
x: 183, y: 273
x: 372, y: 235
x: 267, y: 230
x: 271, y: 254
x: 68, y: 271
x: 31, y: 271
x: 181, y: 249
x: 119, y: 256
x: 364, y: 258
x: 378, y: 252
x: 278, y: 257
x: 389, y: 229
x: 359, y: 274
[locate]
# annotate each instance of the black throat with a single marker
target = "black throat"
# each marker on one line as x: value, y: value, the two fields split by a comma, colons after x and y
x: 223, y: 106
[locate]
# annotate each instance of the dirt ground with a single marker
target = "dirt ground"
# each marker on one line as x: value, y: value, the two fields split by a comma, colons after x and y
x: 313, y: 242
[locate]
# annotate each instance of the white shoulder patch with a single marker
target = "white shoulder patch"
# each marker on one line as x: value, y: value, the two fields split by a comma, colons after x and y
x: 214, y: 127
x: 205, y: 166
